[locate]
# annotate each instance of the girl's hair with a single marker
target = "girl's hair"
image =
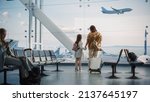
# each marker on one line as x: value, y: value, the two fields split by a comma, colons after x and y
x: 93, y: 28
x: 2, y: 32
x: 79, y: 37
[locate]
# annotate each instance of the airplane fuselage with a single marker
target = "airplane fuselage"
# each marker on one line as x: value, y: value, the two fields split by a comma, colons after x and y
x: 116, y: 11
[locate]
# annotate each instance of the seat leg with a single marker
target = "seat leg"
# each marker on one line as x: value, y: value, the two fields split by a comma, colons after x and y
x: 57, y: 68
x: 5, y: 78
x: 113, y: 73
x: 42, y: 73
x: 133, y: 73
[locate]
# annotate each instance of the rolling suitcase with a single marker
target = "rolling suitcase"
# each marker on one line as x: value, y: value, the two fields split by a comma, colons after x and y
x: 95, y: 65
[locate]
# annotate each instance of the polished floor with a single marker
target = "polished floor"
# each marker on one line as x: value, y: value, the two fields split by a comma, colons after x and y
x: 68, y: 76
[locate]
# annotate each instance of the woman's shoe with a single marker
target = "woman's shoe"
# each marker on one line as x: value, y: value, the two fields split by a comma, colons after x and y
x: 76, y: 69
x: 89, y: 69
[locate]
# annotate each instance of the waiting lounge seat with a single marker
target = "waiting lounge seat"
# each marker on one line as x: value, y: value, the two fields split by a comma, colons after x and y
x: 34, y: 57
x: 18, y: 52
x: 133, y: 65
x: 42, y: 59
x: 113, y: 63
x: 55, y: 60
x: 48, y: 57
x: 4, y: 68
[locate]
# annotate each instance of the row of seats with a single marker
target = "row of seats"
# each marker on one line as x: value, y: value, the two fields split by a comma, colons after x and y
x: 114, y: 62
x: 37, y: 58
x: 3, y: 68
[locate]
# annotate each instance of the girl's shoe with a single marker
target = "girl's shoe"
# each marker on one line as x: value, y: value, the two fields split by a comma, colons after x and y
x: 80, y: 68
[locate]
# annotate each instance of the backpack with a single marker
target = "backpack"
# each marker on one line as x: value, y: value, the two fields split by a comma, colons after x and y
x: 75, y: 47
x: 33, y: 74
x: 132, y: 56
x: 33, y: 78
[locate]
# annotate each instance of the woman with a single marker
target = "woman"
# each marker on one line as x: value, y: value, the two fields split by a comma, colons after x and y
x: 78, y: 52
x: 20, y: 62
x: 93, y: 42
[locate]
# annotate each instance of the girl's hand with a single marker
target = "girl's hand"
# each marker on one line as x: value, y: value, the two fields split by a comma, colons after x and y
x: 100, y: 49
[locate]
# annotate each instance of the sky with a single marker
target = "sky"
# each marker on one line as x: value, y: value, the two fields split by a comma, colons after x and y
x: 76, y: 16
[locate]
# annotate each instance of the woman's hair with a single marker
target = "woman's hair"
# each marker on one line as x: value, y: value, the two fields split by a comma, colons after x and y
x: 2, y: 32
x: 93, y: 28
x: 79, y: 37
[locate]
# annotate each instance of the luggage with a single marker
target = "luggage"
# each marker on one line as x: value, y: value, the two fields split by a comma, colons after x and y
x: 35, y: 71
x: 34, y: 77
x: 132, y: 56
x: 31, y: 77
x: 95, y: 65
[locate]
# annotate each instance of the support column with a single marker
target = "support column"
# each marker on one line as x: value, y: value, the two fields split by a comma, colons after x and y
x: 35, y: 35
x: 30, y: 4
x: 40, y: 35
x: 52, y: 27
x: 145, y: 41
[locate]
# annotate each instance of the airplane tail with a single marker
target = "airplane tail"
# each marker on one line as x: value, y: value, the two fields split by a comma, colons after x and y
x: 57, y: 52
x: 103, y: 9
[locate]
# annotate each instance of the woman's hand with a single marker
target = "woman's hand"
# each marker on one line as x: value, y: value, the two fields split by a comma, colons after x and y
x: 100, y: 49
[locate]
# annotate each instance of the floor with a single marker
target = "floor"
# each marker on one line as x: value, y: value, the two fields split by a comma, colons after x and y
x: 69, y: 76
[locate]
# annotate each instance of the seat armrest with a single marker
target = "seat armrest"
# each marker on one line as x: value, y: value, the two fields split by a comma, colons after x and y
x: 27, y: 49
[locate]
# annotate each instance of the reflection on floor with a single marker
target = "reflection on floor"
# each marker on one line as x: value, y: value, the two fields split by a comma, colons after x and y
x: 69, y: 77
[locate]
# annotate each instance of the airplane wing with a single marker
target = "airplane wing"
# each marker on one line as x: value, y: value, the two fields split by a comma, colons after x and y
x: 118, y: 11
x: 115, y: 9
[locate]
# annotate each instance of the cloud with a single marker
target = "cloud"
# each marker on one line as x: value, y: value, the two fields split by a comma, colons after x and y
x: 19, y: 15
x: 67, y: 29
x: 5, y: 14
x: 23, y: 23
x: 3, y: 17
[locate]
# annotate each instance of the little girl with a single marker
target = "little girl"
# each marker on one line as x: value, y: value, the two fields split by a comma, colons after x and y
x: 78, y: 52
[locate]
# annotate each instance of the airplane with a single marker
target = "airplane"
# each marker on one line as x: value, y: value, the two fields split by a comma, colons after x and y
x: 115, y: 11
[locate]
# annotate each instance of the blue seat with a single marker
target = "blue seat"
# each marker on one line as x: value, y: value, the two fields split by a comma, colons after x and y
x: 34, y: 57
x: 133, y: 65
x: 55, y: 60
x: 113, y: 63
x: 2, y: 67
